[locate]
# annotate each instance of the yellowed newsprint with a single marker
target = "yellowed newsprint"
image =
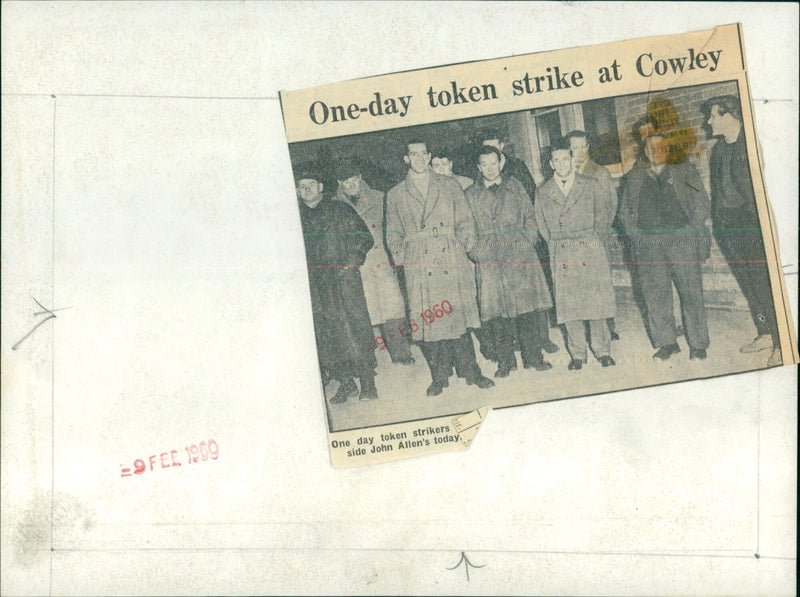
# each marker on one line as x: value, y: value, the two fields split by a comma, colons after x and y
x: 532, y: 228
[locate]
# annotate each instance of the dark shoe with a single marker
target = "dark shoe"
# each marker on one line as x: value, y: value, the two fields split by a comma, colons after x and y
x: 614, y: 335
x: 436, y: 387
x: 346, y: 390
x: 697, y: 353
x: 548, y: 346
x: 480, y: 381
x: 607, y: 361
x: 540, y: 365
x: 667, y: 351
x: 502, y: 371
x: 404, y: 361
x: 575, y: 365
x: 368, y: 389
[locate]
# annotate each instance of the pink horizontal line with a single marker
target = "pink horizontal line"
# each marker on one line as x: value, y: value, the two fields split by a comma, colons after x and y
x: 448, y: 266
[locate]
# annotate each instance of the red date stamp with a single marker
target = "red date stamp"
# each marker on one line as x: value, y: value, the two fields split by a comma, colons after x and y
x: 428, y: 316
x: 207, y: 450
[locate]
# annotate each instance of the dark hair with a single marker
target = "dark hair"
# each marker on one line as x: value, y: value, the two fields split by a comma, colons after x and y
x: 726, y: 104
x: 576, y: 134
x: 636, y: 129
x: 416, y: 141
x: 487, y: 150
x: 562, y: 143
x: 347, y: 168
x: 488, y: 134
x: 443, y: 151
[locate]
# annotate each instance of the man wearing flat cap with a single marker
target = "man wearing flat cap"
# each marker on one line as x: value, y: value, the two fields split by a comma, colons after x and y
x: 337, y: 241
x: 381, y: 288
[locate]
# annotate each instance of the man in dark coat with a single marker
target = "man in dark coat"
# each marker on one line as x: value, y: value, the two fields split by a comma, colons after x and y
x: 511, y: 166
x: 337, y: 242
x: 429, y: 229
x: 511, y: 284
x: 735, y: 220
x: 664, y: 208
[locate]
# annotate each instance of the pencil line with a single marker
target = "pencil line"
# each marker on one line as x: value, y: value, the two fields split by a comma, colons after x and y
x: 53, y: 351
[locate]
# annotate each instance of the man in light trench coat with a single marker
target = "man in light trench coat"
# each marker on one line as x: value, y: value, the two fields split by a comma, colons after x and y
x: 511, y: 284
x: 429, y: 229
x: 584, y: 164
x: 573, y: 218
x: 387, y: 310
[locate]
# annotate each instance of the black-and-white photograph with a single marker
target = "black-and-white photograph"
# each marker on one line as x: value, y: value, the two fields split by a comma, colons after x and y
x: 536, y: 255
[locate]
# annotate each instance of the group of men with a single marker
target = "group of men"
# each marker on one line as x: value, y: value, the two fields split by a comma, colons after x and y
x: 502, y: 253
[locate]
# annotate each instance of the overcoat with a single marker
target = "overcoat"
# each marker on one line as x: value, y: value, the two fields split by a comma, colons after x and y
x: 510, y: 277
x: 381, y: 288
x: 608, y: 192
x: 430, y: 237
x: 337, y: 241
x: 691, y: 195
x: 574, y: 227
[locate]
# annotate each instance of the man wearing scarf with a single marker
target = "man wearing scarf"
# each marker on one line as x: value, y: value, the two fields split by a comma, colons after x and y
x: 511, y: 284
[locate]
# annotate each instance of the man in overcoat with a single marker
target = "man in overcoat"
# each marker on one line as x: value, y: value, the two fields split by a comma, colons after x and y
x: 735, y: 220
x: 664, y: 209
x: 511, y: 285
x: 385, y: 303
x: 584, y: 164
x: 572, y: 216
x: 429, y: 229
x: 511, y: 166
x: 442, y: 163
x: 337, y: 242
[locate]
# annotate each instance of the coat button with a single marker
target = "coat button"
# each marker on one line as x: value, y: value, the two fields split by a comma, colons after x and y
x: 445, y: 272
x: 430, y: 274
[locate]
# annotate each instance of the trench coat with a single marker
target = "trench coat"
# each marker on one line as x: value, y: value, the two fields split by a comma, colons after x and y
x: 381, y: 288
x: 574, y: 228
x: 511, y: 281
x: 337, y: 241
x: 430, y: 237
x: 603, y: 177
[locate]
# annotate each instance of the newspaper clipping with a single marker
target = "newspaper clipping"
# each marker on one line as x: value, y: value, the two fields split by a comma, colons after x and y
x: 532, y: 228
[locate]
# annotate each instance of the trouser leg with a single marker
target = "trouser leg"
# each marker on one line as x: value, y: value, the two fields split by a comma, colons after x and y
x: 601, y: 339
x: 744, y: 251
x: 437, y: 356
x: 503, y: 341
x: 463, y: 353
x: 529, y: 337
x: 656, y: 290
x: 399, y: 347
x: 689, y: 284
x: 542, y: 321
x: 576, y: 339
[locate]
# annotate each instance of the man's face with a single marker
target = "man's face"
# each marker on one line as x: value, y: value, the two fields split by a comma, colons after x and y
x: 561, y: 162
x: 719, y: 123
x: 655, y: 150
x: 352, y: 185
x: 496, y: 143
x: 310, y: 191
x: 580, y: 150
x: 442, y: 166
x: 418, y: 157
x: 489, y: 166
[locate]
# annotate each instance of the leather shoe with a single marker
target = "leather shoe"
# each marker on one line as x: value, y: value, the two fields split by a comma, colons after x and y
x: 502, y: 372
x: 666, y: 352
x: 697, y: 353
x: 762, y: 342
x: 575, y: 365
x: 540, y: 365
x: 436, y: 387
x: 405, y: 361
x: 346, y: 390
x: 549, y: 346
x: 607, y: 361
x: 614, y: 335
x: 480, y: 381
